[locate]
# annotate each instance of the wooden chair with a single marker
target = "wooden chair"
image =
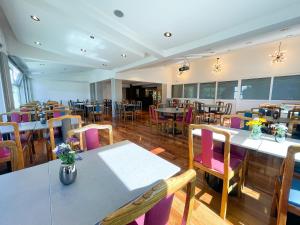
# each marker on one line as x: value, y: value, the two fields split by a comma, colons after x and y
x: 22, y: 148
x: 138, y: 111
x: 225, y: 110
x: 187, y: 119
x: 91, y: 135
x: 156, y: 203
x: 159, y: 122
x: 56, y: 113
x: 9, y: 153
x: 223, y: 166
x: 238, y: 122
x: 127, y: 112
x: 51, y: 124
x: 294, y: 127
x: 96, y: 113
x: 287, y: 189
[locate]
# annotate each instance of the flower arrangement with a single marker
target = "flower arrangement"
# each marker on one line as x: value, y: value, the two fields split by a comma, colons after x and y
x: 280, y: 132
x: 256, y: 122
x: 65, y: 153
x: 280, y: 129
x: 256, y: 127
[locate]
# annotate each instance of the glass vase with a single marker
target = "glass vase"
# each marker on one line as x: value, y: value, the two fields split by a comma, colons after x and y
x: 279, y: 138
x: 256, y: 132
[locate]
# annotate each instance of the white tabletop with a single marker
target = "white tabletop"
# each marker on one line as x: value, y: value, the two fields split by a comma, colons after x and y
x: 170, y: 110
x: 107, y: 178
x: 26, y: 126
x: 40, y: 126
x: 25, y: 197
x: 266, y: 144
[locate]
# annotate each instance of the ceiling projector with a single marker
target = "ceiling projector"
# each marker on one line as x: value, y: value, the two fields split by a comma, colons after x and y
x: 183, y: 68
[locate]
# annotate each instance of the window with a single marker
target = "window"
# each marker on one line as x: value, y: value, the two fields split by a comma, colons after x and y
x: 286, y: 88
x: 207, y: 90
x: 190, y: 90
x: 177, y: 91
x: 16, y: 79
x: 227, y: 90
x: 256, y: 88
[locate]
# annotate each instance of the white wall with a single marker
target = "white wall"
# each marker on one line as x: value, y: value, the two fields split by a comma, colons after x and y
x: 250, y: 62
x: 43, y: 90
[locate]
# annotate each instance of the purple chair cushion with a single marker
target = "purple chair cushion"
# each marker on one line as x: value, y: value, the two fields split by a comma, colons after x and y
x: 159, y: 214
x: 92, y: 139
x: 217, y: 162
x: 15, y: 117
x: 56, y: 114
x: 235, y: 122
x: 25, y: 118
x: 4, y: 152
x: 138, y: 221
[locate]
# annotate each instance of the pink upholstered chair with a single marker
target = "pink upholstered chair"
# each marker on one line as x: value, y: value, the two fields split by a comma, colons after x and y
x: 238, y: 122
x: 153, y: 207
x: 223, y: 166
x: 159, y: 122
x: 90, y: 134
x: 16, y: 117
x: 23, y: 150
x: 183, y: 123
x: 8, y: 153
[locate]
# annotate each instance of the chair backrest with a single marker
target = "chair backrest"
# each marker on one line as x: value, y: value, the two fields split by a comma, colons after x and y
x: 207, y: 145
x: 236, y: 121
x: 16, y: 117
x: 17, y: 141
x: 12, y: 147
x: 228, y: 108
x: 287, y: 178
x: 156, y: 203
x: 152, y: 113
x: 91, y: 135
x: 51, y: 124
x: 189, y: 115
x: 294, y: 127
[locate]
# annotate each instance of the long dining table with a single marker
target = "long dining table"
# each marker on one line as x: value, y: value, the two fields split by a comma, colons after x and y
x: 266, y: 144
x: 107, y: 178
x: 33, y: 126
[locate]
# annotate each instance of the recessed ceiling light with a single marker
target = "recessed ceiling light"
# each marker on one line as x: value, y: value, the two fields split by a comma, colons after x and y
x: 118, y: 13
x: 37, y: 43
x: 290, y: 35
x: 92, y: 36
x: 103, y: 64
x: 35, y: 18
x: 124, y: 55
x: 212, y: 52
x: 249, y: 42
x: 83, y: 50
x: 168, y: 34
x: 42, y: 64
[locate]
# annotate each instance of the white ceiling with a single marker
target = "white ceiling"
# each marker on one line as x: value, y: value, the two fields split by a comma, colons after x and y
x: 198, y: 27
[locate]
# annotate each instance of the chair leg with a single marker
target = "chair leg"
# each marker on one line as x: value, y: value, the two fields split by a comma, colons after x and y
x: 240, y: 182
x: 224, y: 199
x: 245, y: 168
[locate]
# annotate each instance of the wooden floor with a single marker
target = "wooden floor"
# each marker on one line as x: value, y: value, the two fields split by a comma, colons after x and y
x: 252, y: 208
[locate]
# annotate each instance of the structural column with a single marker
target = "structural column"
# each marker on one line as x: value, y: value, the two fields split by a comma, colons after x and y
x: 116, y: 93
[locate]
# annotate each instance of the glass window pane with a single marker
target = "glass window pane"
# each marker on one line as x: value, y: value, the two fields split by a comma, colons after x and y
x: 286, y: 88
x: 207, y: 90
x: 256, y: 88
x: 177, y: 91
x: 227, y: 89
x: 190, y: 90
x: 16, y: 95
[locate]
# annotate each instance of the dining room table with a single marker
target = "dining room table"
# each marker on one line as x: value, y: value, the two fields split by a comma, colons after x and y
x: 171, y: 110
x: 266, y: 144
x: 107, y: 178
